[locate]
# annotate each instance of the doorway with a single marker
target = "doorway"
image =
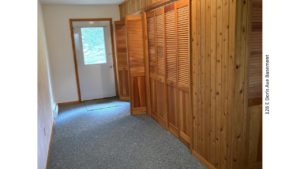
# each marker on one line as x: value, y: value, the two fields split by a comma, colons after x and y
x: 92, y: 41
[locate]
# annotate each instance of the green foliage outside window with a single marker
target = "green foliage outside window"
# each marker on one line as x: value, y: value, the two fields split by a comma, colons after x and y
x: 93, y: 44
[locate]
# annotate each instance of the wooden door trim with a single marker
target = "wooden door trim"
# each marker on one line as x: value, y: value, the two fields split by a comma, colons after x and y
x: 74, y: 50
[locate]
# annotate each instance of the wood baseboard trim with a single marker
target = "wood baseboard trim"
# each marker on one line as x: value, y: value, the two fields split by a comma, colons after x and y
x: 124, y: 98
x: 185, y: 139
x: 71, y: 102
x: 155, y: 117
x: 163, y: 122
x: 173, y: 130
x: 138, y: 111
x: 203, y: 160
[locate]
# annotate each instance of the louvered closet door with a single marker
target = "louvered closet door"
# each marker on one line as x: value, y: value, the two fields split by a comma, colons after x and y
x: 171, y: 66
x: 122, y: 64
x: 135, y: 49
x: 161, y: 67
x: 152, y: 61
x: 184, y: 78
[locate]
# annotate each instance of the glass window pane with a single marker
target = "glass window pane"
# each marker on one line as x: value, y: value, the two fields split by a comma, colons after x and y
x: 93, y: 45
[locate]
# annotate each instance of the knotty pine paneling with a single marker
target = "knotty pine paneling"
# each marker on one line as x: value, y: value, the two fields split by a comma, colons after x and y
x: 135, y: 47
x: 122, y: 60
x: 226, y: 132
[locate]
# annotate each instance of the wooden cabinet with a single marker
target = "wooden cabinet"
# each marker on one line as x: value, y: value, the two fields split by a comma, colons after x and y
x: 122, y: 60
x: 136, y: 61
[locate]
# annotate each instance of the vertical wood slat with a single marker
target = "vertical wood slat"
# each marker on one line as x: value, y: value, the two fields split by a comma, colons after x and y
x: 225, y: 92
x: 122, y: 60
x: 135, y: 46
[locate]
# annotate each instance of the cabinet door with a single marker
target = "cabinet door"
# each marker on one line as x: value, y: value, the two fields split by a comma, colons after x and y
x: 184, y: 74
x: 152, y: 61
x: 135, y: 47
x: 122, y: 60
x: 161, y: 66
x: 171, y: 66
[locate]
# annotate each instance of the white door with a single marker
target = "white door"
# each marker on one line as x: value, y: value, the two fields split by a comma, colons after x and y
x: 94, y: 59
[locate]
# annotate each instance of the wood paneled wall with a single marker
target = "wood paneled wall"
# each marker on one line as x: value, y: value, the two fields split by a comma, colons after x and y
x: 226, y: 74
x: 136, y: 60
x: 169, y: 68
x: 133, y: 6
x: 122, y: 60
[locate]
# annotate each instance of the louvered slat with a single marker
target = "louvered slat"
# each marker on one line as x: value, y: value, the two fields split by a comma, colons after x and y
x: 255, y: 47
x: 135, y: 52
x: 160, y: 41
x: 121, y: 45
x: 183, y: 46
x: 171, y: 46
x: 151, y: 44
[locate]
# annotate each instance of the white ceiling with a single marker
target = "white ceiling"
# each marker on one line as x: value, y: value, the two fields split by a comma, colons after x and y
x: 82, y: 2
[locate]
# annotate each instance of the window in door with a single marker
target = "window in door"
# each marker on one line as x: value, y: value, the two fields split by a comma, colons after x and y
x: 93, y: 45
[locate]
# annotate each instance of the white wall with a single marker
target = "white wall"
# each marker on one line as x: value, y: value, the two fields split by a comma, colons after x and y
x: 60, y: 47
x: 46, y: 104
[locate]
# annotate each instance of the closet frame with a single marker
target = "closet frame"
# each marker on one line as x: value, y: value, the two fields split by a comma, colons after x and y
x: 177, y: 96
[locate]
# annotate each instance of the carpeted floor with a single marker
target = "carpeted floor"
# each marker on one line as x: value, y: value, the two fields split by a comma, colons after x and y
x: 103, y: 134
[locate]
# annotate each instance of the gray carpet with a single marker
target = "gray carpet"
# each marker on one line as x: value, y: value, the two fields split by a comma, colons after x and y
x: 103, y: 134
